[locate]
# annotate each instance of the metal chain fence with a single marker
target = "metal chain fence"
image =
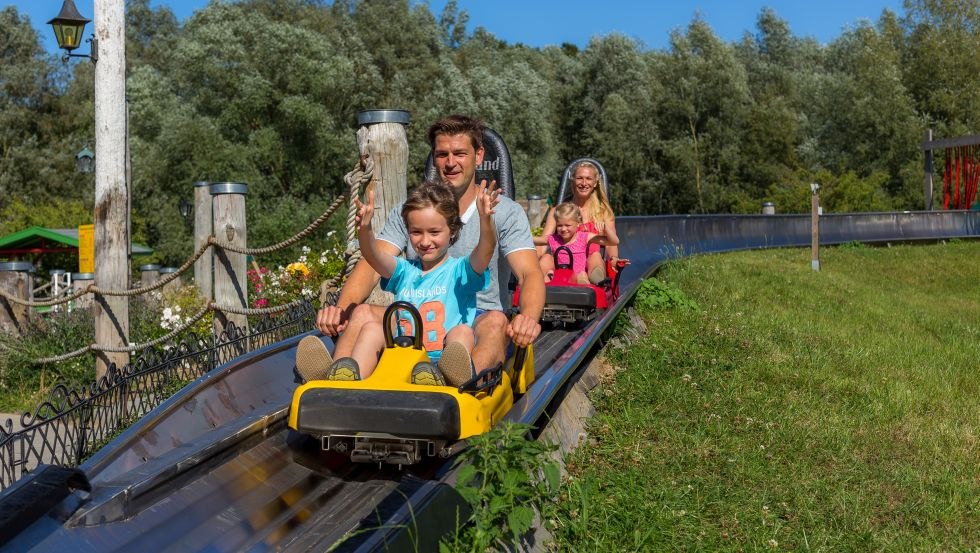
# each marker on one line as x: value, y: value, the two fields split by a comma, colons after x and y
x: 73, y: 423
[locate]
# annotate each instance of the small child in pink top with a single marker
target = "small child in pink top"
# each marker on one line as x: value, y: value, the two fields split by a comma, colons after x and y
x: 587, y: 265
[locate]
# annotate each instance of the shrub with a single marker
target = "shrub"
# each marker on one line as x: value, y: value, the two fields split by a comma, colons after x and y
x: 654, y: 294
x: 505, y: 478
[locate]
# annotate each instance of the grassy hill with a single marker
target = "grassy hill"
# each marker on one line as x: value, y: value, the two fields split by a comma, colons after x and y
x: 770, y: 407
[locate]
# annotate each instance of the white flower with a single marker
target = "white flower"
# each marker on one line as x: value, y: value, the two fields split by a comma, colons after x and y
x: 167, y: 313
x: 177, y: 309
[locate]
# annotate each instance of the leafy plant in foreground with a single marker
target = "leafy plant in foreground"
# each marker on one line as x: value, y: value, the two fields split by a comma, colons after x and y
x: 655, y: 294
x: 505, y: 477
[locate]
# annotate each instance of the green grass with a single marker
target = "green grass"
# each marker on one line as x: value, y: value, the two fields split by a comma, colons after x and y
x: 792, y: 410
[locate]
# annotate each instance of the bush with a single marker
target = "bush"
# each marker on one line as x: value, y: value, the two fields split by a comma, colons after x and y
x: 654, y: 294
x: 505, y: 478
x: 23, y: 383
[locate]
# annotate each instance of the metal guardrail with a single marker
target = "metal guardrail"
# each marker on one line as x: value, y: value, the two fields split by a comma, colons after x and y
x: 73, y: 423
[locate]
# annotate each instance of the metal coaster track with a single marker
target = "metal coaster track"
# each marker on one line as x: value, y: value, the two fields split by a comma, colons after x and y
x: 215, y: 469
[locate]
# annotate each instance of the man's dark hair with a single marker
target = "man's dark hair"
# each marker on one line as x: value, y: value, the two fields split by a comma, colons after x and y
x: 440, y: 197
x: 458, y: 124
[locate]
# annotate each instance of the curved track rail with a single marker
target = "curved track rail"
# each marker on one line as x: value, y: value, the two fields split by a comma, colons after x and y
x: 214, y: 468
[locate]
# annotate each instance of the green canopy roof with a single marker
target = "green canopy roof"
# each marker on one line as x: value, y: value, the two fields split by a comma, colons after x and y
x: 40, y: 240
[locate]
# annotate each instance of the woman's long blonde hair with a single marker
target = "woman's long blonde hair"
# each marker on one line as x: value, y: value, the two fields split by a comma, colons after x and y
x: 598, y: 204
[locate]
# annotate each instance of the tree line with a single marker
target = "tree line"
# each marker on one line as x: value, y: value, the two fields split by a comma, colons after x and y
x: 267, y: 91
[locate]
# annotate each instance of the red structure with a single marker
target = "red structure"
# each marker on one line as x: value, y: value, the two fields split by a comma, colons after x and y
x: 961, y: 170
x: 960, y: 177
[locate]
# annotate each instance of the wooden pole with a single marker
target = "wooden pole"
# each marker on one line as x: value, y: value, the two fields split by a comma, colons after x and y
x: 928, y: 172
x: 80, y: 281
x: 228, y: 206
x: 15, y: 279
x: 174, y: 284
x: 149, y: 274
x: 815, y: 228
x: 381, y: 136
x: 203, y: 224
x: 537, y: 209
x: 111, y: 197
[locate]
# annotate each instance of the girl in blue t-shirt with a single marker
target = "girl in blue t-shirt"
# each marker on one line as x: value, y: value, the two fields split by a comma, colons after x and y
x: 441, y: 287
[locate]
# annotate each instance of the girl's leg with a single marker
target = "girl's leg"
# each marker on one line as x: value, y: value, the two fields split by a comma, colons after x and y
x: 596, y: 267
x: 370, y: 342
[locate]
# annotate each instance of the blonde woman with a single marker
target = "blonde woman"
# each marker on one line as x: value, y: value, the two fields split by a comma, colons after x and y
x: 589, y: 195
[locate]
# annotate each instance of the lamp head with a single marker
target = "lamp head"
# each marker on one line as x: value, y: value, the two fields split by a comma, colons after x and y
x: 69, y: 26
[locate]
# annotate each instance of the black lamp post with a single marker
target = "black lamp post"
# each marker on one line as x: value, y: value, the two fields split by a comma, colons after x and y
x: 85, y: 161
x: 69, y: 26
x: 185, y: 209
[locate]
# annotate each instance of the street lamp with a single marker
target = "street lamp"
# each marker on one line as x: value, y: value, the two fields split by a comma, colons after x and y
x: 185, y: 209
x: 85, y: 160
x: 69, y: 26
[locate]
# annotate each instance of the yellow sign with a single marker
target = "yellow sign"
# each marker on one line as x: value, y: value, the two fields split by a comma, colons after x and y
x: 86, y: 248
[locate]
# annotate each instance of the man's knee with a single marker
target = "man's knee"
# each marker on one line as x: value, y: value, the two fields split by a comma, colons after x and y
x: 493, y: 323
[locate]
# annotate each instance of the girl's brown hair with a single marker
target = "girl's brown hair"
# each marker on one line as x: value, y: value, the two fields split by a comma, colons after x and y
x: 438, y: 196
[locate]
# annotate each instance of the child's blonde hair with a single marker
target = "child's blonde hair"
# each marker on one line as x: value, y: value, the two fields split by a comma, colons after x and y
x: 568, y: 210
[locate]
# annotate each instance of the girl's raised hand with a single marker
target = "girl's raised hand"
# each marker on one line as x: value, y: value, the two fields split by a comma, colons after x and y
x: 364, y: 211
x: 487, y: 197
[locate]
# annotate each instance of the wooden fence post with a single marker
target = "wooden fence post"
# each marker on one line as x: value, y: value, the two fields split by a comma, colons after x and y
x: 815, y: 227
x: 228, y: 207
x: 203, y: 221
x: 174, y: 284
x: 537, y: 210
x: 149, y: 274
x: 927, y: 184
x: 16, y: 279
x: 381, y: 136
x: 80, y: 281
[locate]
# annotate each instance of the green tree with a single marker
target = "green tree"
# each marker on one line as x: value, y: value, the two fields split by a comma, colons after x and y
x: 703, y: 112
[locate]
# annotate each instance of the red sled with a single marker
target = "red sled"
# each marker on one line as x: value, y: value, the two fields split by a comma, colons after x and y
x: 568, y: 302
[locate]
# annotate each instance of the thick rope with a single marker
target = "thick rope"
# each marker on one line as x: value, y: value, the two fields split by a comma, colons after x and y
x: 93, y: 289
x: 285, y: 243
x: 356, y: 179
x: 170, y: 335
x: 259, y: 311
x: 137, y: 347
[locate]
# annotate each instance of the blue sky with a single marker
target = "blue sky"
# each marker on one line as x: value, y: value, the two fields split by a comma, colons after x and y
x: 546, y: 22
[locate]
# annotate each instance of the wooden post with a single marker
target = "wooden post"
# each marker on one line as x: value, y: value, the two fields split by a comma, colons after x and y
x: 927, y: 185
x: 537, y: 209
x: 80, y: 281
x: 149, y: 274
x: 15, y: 279
x: 381, y: 136
x: 203, y: 221
x: 111, y: 197
x: 228, y: 206
x: 815, y: 227
x: 174, y: 284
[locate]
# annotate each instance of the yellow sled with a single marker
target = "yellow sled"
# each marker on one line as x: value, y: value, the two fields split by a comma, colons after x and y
x: 386, y: 418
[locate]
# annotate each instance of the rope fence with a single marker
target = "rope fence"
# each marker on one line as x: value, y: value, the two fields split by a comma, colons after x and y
x: 363, y: 177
